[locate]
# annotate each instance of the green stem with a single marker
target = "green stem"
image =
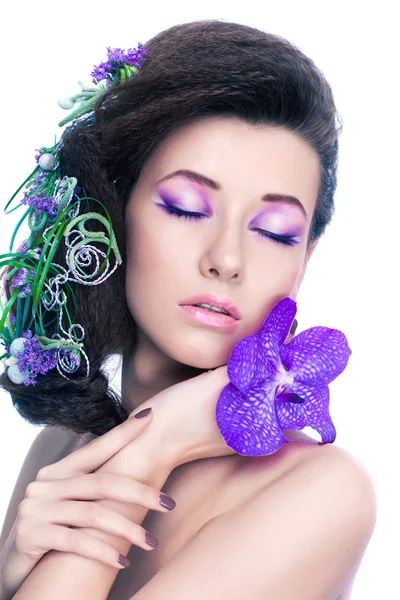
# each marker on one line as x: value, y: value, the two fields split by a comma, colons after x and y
x: 80, y: 111
x: 19, y: 189
x: 18, y: 226
x: 7, y: 308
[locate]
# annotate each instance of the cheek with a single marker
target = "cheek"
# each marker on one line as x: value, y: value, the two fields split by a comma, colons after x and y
x: 273, y: 278
x: 290, y: 271
x: 279, y: 270
x: 144, y: 249
x: 154, y: 266
x: 154, y: 247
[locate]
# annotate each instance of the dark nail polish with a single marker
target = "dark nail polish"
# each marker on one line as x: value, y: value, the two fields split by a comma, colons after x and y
x: 166, y: 501
x: 123, y: 560
x: 151, y: 540
x: 143, y: 413
x: 294, y: 327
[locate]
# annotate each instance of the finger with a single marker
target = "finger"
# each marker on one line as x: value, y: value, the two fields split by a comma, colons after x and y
x: 97, y: 452
x: 98, y: 517
x: 76, y: 541
x: 99, y: 486
x: 65, y: 539
x: 219, y: 375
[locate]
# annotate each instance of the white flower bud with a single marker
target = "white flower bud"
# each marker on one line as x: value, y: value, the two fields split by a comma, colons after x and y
x: 17, y: 346
x: 8, y: 362
x: 65, y: 102
x: 15, y: 374
x: 47, y: 162
x: 86, y: 86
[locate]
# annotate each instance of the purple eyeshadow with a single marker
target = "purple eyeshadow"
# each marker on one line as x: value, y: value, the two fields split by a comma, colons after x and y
x: 263, y: 222
x: 172, y: 202
x: 269, y: 223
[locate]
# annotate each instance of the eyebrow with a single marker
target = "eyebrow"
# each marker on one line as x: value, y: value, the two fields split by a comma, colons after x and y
x: 202, y: 179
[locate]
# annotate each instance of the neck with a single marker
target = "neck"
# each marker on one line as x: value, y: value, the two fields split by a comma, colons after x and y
x: 146, y: 371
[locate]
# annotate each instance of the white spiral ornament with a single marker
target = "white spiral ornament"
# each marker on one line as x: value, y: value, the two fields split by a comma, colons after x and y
x: 81, y: 254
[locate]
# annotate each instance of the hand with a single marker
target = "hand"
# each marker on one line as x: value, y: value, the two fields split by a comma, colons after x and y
x: 184, y: 426
x: 60, y: 502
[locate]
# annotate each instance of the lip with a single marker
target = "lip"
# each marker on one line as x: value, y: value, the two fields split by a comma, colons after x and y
x: 209, y: 318
x: 213, y: 300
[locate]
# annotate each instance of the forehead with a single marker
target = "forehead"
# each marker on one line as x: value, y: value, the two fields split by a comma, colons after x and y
x: 242, y: 158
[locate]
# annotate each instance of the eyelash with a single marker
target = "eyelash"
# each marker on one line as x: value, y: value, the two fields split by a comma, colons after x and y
x: 190, y: 216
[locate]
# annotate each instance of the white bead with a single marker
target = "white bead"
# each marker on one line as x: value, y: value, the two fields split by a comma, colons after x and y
x: 65, y: 102
x: 47, y: 162
x: 17, y: 346
x: 15, y: 374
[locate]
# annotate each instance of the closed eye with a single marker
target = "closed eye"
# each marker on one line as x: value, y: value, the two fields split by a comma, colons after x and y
x: 190, y: 216
x: 282, y: 239
x: 177, y: 212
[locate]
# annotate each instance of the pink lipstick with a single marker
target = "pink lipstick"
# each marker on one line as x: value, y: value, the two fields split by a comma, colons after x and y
x: 212, y: 310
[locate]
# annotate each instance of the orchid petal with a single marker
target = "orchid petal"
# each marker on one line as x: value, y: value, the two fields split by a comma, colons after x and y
x: 316, y: 356
x: 248, y: 424
x: 314, y: 412
x: 277, y: 325
x: 249, y: 364
x: 290, y: 415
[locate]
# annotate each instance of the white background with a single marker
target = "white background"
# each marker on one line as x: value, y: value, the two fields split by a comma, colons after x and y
x: 353, y: 276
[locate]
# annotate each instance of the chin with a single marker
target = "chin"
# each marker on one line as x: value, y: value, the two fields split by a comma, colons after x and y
x: 205, y: 363
x: 200, y: 357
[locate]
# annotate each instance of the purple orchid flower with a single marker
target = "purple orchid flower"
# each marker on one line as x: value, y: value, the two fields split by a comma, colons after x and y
x: 276, y: 386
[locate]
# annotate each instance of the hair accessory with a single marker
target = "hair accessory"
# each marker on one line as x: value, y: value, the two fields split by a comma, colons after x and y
x: 39, y: 287
x: 276, y: 386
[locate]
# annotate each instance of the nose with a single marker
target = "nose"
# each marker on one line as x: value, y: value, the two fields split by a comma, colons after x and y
x: 222, y: 259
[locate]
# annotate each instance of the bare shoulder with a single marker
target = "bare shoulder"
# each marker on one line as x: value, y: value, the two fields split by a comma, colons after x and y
x: 322, y: 506
x: 330, y: 475
x: 300, y: 533
x: 49, y: 446
x: 345, y: 477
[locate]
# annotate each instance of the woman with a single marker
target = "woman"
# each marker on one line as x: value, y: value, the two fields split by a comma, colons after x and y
x: 218, y: 168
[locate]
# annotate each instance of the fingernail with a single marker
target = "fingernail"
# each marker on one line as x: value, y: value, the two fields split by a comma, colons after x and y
x: 151, y: 540
x: 166, y: 501
x: 143, y: 413
x: 293, y: 327
x: 123, y: 560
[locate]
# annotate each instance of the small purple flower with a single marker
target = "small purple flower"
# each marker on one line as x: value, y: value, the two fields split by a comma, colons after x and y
x: 20, y: 278
x: 118, y: 59
x: 276, y: 386
x: 74, y: 360
x: 37, y: 252
x: 23, y: 277
x: 38, y: 154
x: 23, y: 248
x: 40, y: 201
x: 25, y: 291
x: 34, y: 360
x: 39, y: 191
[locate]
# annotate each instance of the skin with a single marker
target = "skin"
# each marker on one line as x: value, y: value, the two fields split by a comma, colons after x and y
x: 220, y: 254
x: 221, y: 502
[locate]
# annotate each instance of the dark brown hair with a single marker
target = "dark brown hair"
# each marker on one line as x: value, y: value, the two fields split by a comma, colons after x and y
x: 192, y: 70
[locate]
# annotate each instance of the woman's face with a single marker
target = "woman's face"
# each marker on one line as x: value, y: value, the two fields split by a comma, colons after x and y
x: 236, y: 245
